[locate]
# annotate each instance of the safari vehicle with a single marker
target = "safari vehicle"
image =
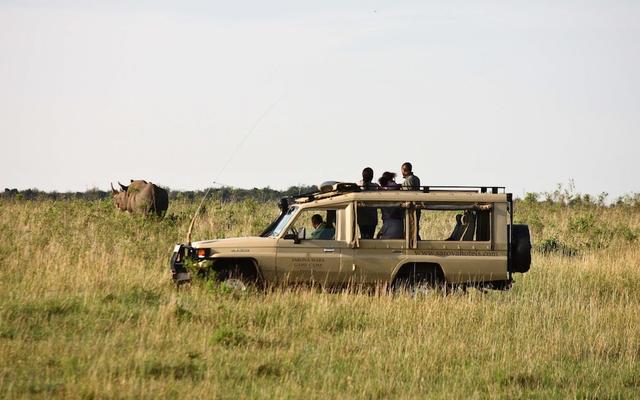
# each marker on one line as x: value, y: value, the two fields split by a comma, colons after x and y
x: 447, y: 236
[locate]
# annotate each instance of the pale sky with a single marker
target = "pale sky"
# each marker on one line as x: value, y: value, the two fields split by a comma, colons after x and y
x: 523, y: 94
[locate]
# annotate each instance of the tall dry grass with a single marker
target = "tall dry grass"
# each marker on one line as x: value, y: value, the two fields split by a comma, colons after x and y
x: 87, y: 310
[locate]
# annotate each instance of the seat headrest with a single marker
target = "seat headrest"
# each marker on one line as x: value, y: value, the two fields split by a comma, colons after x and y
x: 468, y: 217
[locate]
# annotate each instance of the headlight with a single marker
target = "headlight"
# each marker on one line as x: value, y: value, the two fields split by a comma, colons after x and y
x: 203, y: 253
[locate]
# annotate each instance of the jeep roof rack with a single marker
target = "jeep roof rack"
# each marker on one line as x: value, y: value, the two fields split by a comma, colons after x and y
x: 472, y: 189
x: 329, y: 189
x: 338, y: 188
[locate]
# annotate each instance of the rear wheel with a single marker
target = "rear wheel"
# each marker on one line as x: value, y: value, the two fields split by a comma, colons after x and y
x: 418, y: 279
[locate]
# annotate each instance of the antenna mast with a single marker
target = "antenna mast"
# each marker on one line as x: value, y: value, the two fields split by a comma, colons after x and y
x: 253, y: 128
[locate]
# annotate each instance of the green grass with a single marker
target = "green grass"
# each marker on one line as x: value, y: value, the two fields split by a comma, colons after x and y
x: 88, y: 310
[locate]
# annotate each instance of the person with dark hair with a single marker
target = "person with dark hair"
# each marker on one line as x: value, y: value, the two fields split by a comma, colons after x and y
x: 411, y: 182
x: 316, y: 220
x: 388, y: 181
x: 392, y: 225
x: 321, y: 231
x: 367, y: 216
x: 367, y: 180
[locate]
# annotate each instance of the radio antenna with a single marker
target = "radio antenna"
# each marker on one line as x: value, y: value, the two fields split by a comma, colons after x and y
x: 226, y: 164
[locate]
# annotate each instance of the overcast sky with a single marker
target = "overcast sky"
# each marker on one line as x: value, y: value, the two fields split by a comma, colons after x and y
x: 525, y: 94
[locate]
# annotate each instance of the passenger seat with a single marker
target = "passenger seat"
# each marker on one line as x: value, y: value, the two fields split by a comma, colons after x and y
x: 456, y: 234
x: 469, y: 221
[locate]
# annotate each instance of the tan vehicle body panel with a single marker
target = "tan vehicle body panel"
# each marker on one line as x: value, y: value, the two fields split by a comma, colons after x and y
x: 261, y: 250
x: 349, y: 259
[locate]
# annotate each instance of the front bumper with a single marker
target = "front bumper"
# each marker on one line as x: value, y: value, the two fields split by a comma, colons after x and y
x: 179, y: 272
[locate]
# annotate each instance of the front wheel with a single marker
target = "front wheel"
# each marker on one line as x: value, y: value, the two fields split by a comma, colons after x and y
x: 235, y: 284
x: 237, y: 275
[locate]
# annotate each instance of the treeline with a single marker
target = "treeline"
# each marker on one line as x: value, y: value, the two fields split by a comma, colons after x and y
x: 224, y: 194
x: 563, y: 196
x: 567, y: 196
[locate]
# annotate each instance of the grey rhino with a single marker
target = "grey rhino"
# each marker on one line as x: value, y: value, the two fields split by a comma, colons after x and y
x: 141, y: 197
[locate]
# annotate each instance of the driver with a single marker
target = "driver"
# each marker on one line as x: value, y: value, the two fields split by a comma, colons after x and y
x: 321, y: 231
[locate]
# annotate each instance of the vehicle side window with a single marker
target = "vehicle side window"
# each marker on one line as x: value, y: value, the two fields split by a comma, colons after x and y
x: 317, y: 224
x: 453, y: 222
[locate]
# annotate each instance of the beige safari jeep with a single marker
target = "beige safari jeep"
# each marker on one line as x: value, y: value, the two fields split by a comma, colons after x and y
x: 344, y: 235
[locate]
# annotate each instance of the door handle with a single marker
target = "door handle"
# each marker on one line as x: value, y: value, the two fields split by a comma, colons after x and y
x: 396, y: 251
x: 329, y: 250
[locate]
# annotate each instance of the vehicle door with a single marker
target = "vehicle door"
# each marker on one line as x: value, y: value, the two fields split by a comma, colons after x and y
x: 310, y: 251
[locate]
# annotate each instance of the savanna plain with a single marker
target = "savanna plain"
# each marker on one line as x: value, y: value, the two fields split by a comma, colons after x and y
x: 88, y: 310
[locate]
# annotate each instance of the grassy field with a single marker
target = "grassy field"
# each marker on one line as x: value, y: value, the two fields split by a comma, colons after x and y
x: 88, y: 310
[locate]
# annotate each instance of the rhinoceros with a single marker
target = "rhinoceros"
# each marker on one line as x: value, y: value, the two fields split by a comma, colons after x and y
x: 141, y: 197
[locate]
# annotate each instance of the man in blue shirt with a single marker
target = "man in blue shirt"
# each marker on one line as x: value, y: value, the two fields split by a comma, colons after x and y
x: 321, y: 231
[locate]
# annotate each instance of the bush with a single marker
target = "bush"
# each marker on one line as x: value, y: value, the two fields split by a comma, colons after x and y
x: 553, y: 246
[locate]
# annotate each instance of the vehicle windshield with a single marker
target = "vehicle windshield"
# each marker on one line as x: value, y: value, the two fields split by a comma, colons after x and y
x: 284, y: 221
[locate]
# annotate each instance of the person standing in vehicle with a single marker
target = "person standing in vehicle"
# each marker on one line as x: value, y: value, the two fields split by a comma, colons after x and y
x: 411, y: 182
x: 392, y: 225
x: 367, y: 216
x: 388, y: 181
x: 367, y: 180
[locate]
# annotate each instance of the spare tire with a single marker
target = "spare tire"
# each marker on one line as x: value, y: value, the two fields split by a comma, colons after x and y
x: 520, y: 248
